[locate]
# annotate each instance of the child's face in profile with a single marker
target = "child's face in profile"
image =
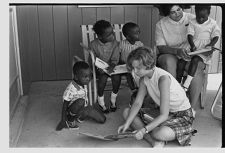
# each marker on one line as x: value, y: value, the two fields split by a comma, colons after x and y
x: 133, y: 34
x: 107, y: 36
x: 84, y: 77
x: 202, y: 16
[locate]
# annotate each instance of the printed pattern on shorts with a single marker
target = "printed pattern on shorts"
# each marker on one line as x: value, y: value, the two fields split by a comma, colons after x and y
x: 181, y: 123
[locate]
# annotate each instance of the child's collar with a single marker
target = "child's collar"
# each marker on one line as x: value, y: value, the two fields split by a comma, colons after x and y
x: 76, y: 85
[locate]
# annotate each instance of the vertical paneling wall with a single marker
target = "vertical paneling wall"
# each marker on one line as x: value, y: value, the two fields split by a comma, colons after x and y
x: 49, y: 35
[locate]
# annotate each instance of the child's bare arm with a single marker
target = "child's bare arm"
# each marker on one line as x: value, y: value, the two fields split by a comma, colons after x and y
x: 191, y: 42
x: 213, y: 42
x: 62, y: 123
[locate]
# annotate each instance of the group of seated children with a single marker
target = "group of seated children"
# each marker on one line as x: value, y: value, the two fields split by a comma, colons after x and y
x: 75, y: 100
x: 176, y: 115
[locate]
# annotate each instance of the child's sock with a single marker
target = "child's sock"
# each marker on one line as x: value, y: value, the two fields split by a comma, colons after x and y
x: 187, y: 81
x: 113, y: 99
x: 101, y: 101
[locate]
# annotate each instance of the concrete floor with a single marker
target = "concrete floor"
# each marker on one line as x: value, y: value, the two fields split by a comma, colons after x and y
x: 44, y: 112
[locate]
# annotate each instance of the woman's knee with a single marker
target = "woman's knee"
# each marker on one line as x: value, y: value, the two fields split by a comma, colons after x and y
x: 167, y: 60
x: 126, y: 112
x: 163, y: 133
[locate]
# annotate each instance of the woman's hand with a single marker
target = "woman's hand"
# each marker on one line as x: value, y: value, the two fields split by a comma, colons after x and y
x: 181, y: 52
x: 122, y: 128
x: 140, y: 134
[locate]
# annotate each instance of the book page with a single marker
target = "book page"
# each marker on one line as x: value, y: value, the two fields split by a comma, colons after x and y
x: 103, y: 65
x: 200, y: 51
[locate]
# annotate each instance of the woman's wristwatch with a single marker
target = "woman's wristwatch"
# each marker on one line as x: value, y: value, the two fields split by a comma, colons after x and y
x: 146, y: 130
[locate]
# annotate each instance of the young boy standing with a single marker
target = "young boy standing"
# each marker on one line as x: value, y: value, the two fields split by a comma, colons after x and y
x: 75, y: 100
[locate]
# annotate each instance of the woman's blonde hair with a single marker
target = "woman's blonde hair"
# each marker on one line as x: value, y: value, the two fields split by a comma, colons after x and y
x: 144, y: 54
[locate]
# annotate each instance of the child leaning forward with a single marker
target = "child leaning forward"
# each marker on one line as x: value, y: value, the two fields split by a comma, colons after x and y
x: 75, y: 100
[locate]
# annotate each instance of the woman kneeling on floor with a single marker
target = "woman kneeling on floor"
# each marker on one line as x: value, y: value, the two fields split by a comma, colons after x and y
x: 175, y: 118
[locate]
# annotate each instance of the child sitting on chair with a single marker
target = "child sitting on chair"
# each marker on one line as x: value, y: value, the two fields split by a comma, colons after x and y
x: 106, y: 48
x: 203, y: 32
x: 75, y: 101
x: 131, y: 32
x: 175, y: 117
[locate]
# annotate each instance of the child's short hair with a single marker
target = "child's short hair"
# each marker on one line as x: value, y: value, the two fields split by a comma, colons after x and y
x: 100, y: 26
x: 127, y: 27
x: 201, y: 7
x: 144, y: 54
x: 80, y: 65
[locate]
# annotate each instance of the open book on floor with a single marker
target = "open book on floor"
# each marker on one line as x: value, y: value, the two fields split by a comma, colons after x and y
x: 119, y: 69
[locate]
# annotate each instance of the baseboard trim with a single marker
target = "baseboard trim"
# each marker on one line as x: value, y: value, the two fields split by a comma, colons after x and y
x: 16, y: 123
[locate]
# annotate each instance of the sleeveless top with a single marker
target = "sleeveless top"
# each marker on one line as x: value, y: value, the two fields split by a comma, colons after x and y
x: 178, y: 99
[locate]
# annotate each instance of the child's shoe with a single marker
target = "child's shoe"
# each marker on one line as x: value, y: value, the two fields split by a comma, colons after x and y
x: 79, y: 119
x: 103, y: 109
x: 72, y: 125
x: 112, y: 108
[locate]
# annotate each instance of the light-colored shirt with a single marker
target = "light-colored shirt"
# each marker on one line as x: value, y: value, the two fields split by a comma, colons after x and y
x: 203, y: 33
x: 74, y: 92
x: 171, y: 33
x: 108, y: 52
x: 178, y: 100
x: 126, y: 47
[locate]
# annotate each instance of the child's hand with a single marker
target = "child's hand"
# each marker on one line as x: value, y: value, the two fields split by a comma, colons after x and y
x: 193, y: 48
x: 209, y: 45
x: 110, y: 69
x: 101, y: 71
x: 61, y: 125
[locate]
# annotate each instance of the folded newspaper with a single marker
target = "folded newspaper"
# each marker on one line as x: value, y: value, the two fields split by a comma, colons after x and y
x: 119, y: 69
x: 200, y: 51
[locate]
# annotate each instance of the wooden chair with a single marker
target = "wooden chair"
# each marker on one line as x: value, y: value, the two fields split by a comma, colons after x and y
x: 87, y: 36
